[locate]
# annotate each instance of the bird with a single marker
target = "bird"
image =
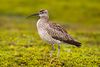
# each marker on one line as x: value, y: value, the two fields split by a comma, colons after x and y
x: 53, y: 33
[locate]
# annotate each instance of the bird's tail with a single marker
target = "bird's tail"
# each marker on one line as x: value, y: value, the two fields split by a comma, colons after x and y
x: 73, y: 42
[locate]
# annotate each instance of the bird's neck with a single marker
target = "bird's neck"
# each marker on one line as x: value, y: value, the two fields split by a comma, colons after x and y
x: 43, y: 19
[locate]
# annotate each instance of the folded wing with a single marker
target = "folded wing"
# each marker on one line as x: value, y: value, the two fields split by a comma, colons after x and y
x: 59, y: 33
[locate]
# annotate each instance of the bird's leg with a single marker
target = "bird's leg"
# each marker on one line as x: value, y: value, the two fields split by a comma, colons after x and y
x: 58, y: 50
x: 52, y: 50
x: 53, y: 47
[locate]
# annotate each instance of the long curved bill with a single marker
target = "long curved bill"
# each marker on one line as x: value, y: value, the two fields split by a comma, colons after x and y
x: 33, y: 15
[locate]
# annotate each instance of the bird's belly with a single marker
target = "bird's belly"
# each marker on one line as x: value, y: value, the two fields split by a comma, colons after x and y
x: 46, y: 37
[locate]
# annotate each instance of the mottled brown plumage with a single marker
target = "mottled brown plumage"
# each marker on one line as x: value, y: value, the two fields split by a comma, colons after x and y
x: 59, y: 33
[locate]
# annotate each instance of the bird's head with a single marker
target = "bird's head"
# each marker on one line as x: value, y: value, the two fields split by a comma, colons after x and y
x: 42, y: 14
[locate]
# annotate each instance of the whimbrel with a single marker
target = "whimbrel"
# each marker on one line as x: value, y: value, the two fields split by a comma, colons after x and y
x: 53, y: 33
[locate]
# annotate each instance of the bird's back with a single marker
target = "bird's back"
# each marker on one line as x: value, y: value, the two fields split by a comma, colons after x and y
x: 59, y: 33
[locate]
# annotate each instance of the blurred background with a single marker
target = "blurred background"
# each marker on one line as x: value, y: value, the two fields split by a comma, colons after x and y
x: 83, y: 13
x: 80, y: 17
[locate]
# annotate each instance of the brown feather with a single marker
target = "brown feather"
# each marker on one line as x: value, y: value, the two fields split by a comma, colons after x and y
x: 59, y: 33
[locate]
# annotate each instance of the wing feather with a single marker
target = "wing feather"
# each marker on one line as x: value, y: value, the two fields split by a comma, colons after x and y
x: 58, y: 32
